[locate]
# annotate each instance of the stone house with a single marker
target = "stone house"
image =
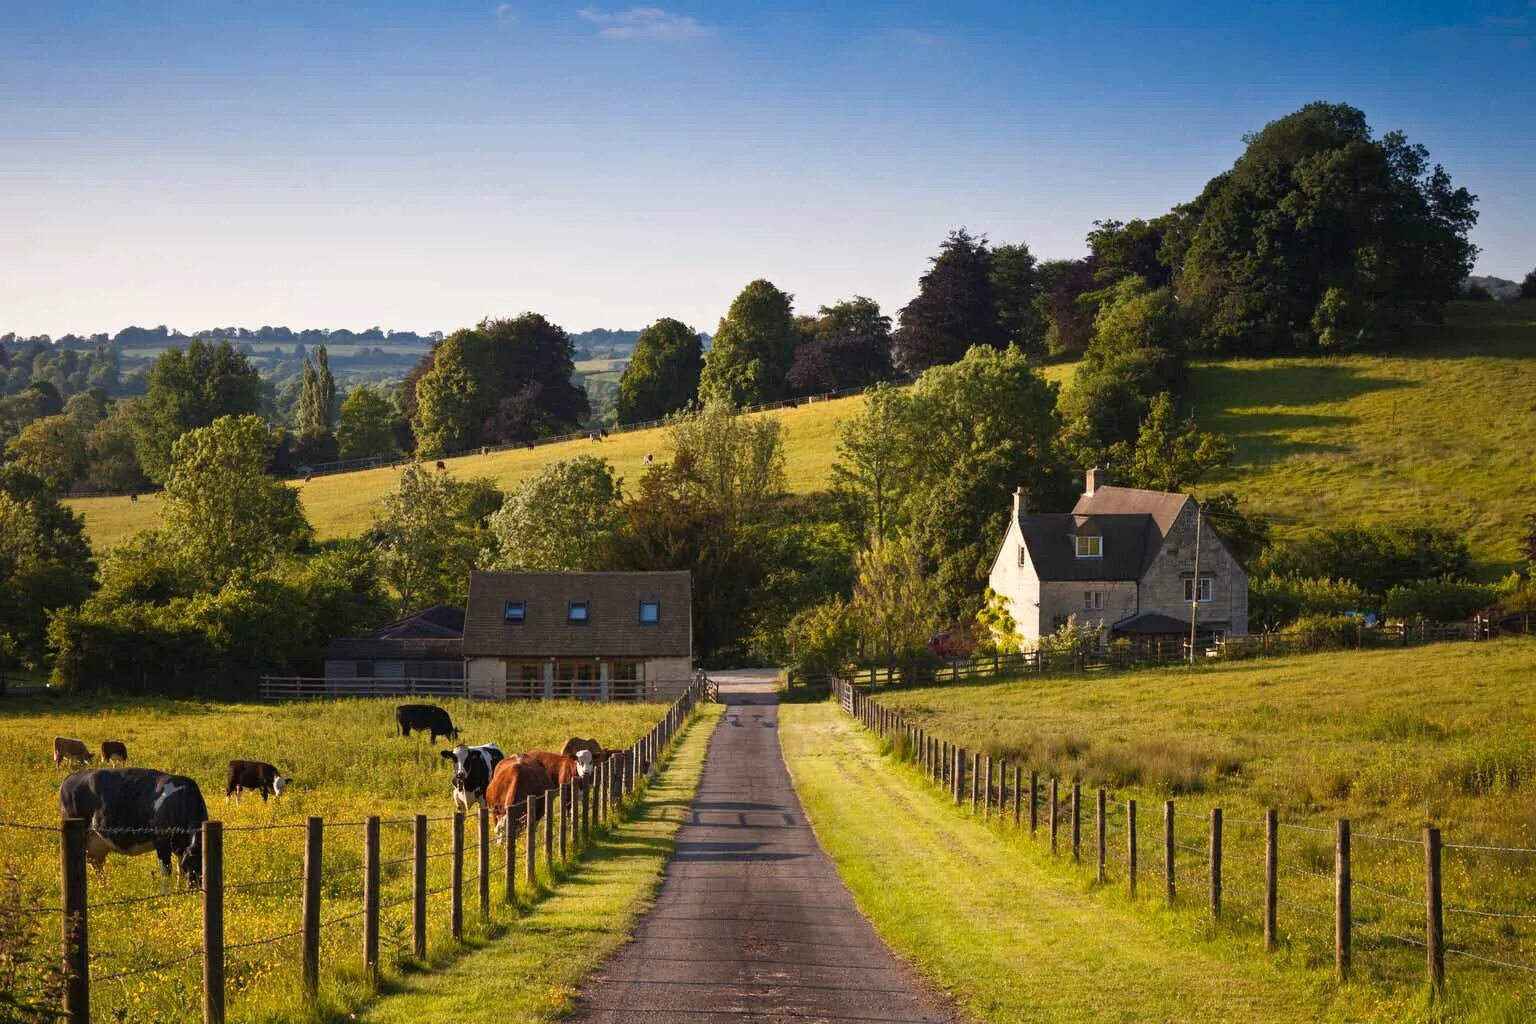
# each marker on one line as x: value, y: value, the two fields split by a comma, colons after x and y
x: 1123, y: 559
x: 582, y: 635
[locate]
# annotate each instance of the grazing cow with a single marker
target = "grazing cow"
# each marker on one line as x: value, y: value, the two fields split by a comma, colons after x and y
x: 70, y: 750
x: 576, y: 745
x: 563, y: 769
x: 425, y: 718
x: 516, y: 779
x: 114, y: 751
x: 134, y: 810
x: 441, y: 464
x: 257, y: 775
x: 472, y: 771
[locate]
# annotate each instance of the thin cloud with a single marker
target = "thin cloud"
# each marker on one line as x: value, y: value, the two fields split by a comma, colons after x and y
x: 644, y: 23
x: 505, y: 14
x: 919, y: 38
x: 1512, y: 22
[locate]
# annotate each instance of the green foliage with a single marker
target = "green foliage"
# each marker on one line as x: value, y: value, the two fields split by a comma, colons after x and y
x: 451, y: 397
x: 1129, y: 249
x: 731, y: 465
x: 223, y: 514
x: 317, y: 409
x: 51, y: 449
x: 955, y: 307
x: 45, y: 564
x: 1378, y: 558
x: 999, y: 631
x: 561, y: 519
x: 1072, y: 639
x: 188, y: 389
x: 873, y: 474
x: 1528, y: 286
x: 848, y: 346
x: 805, y: 559
x: 753, y: 349
x: 430, y: 532
x: 895, y: 600
x: 822, y: 639
x: 1274, y: 602
x: 663, y: 374
x: 1066, y: 302
x: 1438, y: 600
x: 1246, y: 534
x: 111, y: 455
x: 1170, y: 453
x: 367, y: 425
x: 1016, y: 286
x: 1322, y: 235
x: 1327, y: 632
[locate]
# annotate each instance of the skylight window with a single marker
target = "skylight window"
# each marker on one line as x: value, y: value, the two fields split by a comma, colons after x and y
x: 576, y: 614
x: 517, y: 612
x: 650, y: 613
x: 1090, y: 547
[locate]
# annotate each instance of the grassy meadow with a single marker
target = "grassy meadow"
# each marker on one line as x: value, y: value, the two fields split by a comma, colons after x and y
x: 1392, y: 740
x: 346, y: 760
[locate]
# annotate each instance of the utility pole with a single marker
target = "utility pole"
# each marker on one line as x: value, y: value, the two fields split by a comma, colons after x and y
x: 1194, y: 588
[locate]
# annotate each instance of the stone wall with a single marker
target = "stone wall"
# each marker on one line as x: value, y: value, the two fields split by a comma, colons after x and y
x: 1018, y: 585
x: 1163, y: 585
x: 1061, y: 599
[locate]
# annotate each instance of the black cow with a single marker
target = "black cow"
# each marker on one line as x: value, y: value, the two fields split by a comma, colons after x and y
x: 425, y: 718
x: 472, y: 771
x: 134, y: 810
x: 257, y: 775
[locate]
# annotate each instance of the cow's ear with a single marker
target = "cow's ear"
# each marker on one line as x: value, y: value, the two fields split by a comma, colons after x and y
x: 448, y: 754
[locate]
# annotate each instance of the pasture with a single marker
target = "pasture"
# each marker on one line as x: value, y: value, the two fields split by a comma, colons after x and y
x: 346, y: 760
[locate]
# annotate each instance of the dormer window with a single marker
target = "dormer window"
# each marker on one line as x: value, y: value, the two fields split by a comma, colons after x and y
x: 650, y: 613
x: 516, y: 612
x: 1090, y: 547
x: 576, y: 613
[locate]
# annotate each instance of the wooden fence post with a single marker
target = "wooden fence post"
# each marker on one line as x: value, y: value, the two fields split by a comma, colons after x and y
x: 1102, y: 843
x: 1215, y: 863
x: 509, y: 855
x: 1077, y: 823
x: 549, y: 832
x: 1271, y: 878
x: 565, y: 816
x: 213, y: 922
x: 1434, y: 924
x: 532, y: 845
x: 419, y: 888
x: 959, y: 775
x: 975, y: 782
x: 314, y: 831
x: 1130, y: 845
x: 1018, y: 797
x: 988, y: 801
x: 74, y: 931
x: 1034, y: 802
x: 586, y: 816
x: 1054, y: 816
x: 1343, y: 914
x: 456, y: 895
x: 483, y: 826
x: 1168, y: 847
x: 371, y: 897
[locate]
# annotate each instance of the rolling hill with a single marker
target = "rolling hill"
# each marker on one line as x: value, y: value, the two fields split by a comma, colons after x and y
x: 1444, y: 429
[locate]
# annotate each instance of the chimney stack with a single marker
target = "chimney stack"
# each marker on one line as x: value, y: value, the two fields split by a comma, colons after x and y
x: 1020, y: 503
x: 1096, y: 478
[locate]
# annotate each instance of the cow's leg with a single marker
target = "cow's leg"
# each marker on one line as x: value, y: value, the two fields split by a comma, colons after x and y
x: 263, y: 794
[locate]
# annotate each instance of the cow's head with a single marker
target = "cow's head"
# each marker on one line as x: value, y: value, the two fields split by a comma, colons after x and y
x: 279, y: 784
x: 583, y: 763
x: 459, y: 755
x: 190, y: 859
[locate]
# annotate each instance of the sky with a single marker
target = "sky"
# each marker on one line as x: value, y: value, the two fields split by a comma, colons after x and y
x: 419, y: 166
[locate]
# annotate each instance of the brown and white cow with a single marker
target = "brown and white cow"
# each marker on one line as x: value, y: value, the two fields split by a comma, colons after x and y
x: 114, y: 751
x: 516, y: 779
x: 65, y: 749
x: 577, y: 744
x: 563, y: 769
x: 257, y: 775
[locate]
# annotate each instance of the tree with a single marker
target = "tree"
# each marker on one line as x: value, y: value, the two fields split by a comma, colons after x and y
x: 1528, y: 540
x: 111, y: 455
x: 451, y: 399
x: 753, y: 348
x: 317, y: 406
x: 223, y: 515
x: 823, y: 638
x: 848, y: 346
x: 51, y: 449
x: 663, y: 374
x: 1129, y: 249
x: 1016, y: 283
x: 729, y: 464
x: 1321, y: 236
x: 430, y: 532
x: 45, y: 563
x: 188, y: 389
x: 367, y: 425
x: 876, y: 456
x: 1528, y: 286
x: 895, y: 600
x: 955, y: 307
x: 1170, y: 452
x: 561, y: 519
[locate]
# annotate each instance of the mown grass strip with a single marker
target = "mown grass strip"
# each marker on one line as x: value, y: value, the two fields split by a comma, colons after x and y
x: 532, y: 972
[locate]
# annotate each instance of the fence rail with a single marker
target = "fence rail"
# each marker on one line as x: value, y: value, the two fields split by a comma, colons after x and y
x: 584, y: 811
x: 285, y: 688
x: 1236, y: 857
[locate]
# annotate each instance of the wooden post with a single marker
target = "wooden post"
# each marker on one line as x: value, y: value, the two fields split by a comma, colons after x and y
x: 75, y: 938
x: 371, y: 897
x: 565, y: 822
x: 509, y: 855
x: 1271, y: 878
x: 1034, y: 802
x: 531, y: 846
x: 456, y: 892
x: 213, y: 922
x: 1130, y: 845
x: 1343, y: 914
x: 1054, y: 816
x: 1434, y: 923
x: 1077, y: 823
x: 1018, y: 797
x: 419, y: 888
x: 1102, y: 841
x: 586, y: 816
x: 1215, y: 863
x: 987, y: 803
x: 314, y: 831
x: 959, y: 779
x: 549, y: 833
x: 1168, y: 870
x: 975, y: 782
x: 483, y: 826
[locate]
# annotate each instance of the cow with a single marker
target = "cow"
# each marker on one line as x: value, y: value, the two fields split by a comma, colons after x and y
x: 65, y: 749
x: 563, y: 768
x: 257, y: 775
x: 576, y: 744
x: 134, y: 810
x: 425, y: 718
x: 114, y: 751
x: 516, y: 779
x: 441, y: 465
x: 472, y: 771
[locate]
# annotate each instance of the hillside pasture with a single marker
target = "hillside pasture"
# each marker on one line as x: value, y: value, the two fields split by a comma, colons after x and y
x: 347, y: 761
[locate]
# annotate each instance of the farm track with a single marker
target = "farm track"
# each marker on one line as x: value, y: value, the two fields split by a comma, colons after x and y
x: 753, y: 922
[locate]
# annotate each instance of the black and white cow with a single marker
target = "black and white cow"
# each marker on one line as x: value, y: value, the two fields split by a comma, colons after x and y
x: 134, y: 810
x: 425, y: 718
x: 472, y: 771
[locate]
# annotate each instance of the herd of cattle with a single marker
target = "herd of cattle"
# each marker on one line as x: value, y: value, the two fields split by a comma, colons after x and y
x: 132, y: 811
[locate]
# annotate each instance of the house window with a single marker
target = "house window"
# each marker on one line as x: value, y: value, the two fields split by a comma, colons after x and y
x: 1023, y: 556
x: 1090, y: 547
x: 650, y: 613
x: 576, y: 613
x: 517, y: 611
x: 1093, y: 600
x: 1205, y: 590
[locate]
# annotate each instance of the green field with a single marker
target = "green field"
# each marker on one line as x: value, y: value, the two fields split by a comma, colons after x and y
x: 1392, y: 740
x: 347, y: 761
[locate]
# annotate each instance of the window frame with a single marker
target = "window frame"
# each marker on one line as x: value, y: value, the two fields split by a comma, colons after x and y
x: 572, y: 619
x: 1093, y: 600
x: 1095, y: 544
x: 1198, y: 590
x: 654, y: 603
x: 522, y: 613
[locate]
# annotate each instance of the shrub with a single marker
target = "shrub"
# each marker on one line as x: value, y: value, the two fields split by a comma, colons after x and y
x: 1377, y: 558
x: 1328, y: 632
x: 1275, y: 601
x: 1442, y: 600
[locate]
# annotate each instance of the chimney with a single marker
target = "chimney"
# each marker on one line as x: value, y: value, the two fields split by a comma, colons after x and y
x: 1020, y: 503
x: 1096, y: 478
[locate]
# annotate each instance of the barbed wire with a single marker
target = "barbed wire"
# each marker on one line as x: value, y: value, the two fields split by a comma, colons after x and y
x: 128, y: 901
x: 1470, y: 912
x: 1490, y: 960
x: 1355, y: 883
x: 148, y: 968
x: 264, y: 942
x: 1487, y: 849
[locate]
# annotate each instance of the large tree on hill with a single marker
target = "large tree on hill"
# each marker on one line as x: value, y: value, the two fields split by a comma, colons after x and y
x: 753, y: 348
x: 849, y: 346
x: 1016, y: 284
x: 450, y: 397
x: 367, y: 424
x: 1321, y: 236
x: 561, y: 519
x: 955, y: 307
x: 663, y: 374
x: 190, y: 388
x: 45, y: 563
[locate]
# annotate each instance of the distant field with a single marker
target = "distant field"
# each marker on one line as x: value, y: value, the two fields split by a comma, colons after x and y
x: 590, y: 366
x: 347, y: 761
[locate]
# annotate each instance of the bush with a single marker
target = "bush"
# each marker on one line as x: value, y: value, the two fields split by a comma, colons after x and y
x: 1442, y: 600
x: 1276, y: 601
x: 1378, y: 558
x: 1328, y: 632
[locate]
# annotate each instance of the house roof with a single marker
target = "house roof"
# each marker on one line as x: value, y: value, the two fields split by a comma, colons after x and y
x: 440, y: 621
x: 1053, y: 551
x: 612, y: 629
x: 1163, y: 506
x: 365, y: 648
x: 1158, y: 624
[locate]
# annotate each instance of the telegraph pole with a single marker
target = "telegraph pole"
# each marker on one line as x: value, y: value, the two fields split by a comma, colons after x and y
x: 1194, y: 588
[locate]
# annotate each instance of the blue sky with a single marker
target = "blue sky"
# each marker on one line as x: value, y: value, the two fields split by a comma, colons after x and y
x: 419, y: 166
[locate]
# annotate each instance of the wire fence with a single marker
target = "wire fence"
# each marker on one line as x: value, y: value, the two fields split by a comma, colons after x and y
x: 1372, y: 903
x: 361, y: 882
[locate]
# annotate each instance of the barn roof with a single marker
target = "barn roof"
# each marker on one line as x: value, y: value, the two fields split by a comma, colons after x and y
x: 612, y: 628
